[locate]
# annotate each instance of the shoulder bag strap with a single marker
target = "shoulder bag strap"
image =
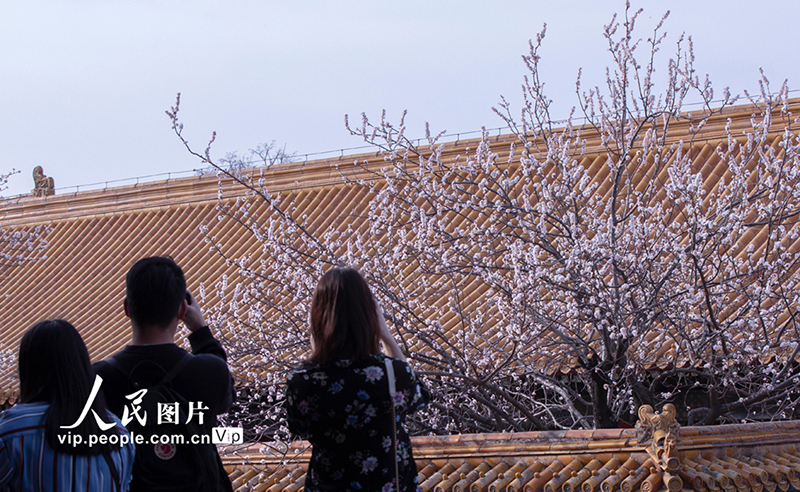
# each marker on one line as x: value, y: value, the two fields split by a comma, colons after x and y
x: 392, y: 392
x: 187, y: 357
x: 113, y: 362
x: 177, y: 368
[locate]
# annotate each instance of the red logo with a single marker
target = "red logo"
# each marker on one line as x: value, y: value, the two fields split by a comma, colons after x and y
x: 165, y: 451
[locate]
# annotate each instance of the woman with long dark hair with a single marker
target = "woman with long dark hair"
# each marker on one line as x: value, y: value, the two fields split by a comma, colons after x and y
x: 60, y: 436
x: 349, y: 400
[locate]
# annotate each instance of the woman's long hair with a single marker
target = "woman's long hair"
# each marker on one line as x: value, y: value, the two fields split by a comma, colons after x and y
x: 344, y: 317
x: 54, y: 368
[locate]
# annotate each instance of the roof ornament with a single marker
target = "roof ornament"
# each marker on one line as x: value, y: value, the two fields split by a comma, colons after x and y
x: 662, y: 432
x: 44, y: 185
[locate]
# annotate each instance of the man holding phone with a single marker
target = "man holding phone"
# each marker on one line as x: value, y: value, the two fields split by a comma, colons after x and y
x: 186, y: 391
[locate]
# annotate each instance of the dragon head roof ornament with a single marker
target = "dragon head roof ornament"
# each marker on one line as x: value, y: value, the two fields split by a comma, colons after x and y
x: 662, y: 432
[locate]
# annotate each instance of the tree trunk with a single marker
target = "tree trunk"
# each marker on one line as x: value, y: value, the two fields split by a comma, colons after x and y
x: 603, y: 418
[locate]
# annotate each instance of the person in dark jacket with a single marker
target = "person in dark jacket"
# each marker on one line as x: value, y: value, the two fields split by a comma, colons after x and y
x: 349, y: 400
x: 156, y: 301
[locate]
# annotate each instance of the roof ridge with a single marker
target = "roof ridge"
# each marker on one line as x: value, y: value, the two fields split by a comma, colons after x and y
x: 189, y: 190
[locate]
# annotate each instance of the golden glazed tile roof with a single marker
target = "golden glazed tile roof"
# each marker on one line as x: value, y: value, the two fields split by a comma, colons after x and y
x: 96, y: 236
x: 734, y: 458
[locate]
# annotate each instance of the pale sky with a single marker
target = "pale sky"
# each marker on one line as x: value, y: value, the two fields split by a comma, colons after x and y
x: 84, y: 84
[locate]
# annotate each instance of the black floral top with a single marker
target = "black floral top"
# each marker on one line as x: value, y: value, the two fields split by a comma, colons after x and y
x: 342, y: 408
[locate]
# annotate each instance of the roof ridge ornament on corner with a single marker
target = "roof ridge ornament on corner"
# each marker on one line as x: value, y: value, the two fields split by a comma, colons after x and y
x: 43, y: 185
x: 662, y: 432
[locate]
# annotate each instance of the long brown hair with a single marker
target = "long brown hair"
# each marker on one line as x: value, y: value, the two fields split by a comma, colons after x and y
x: 344, y: 318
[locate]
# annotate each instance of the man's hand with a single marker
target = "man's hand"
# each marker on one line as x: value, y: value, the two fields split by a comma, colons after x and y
x: 193, y: 319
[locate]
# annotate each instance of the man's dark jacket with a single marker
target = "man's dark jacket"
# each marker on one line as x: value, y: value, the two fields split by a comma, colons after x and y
x: 205, y: 378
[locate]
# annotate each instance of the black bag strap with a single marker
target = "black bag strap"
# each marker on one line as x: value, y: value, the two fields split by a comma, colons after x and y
x: 113, y: 362
x: 187, y: 357
x: 113, y: 469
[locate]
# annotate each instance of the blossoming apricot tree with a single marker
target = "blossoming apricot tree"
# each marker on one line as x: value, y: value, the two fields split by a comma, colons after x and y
x: 563, y: 275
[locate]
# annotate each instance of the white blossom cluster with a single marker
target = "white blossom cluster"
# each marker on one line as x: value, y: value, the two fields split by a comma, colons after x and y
x: 8, y: 360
